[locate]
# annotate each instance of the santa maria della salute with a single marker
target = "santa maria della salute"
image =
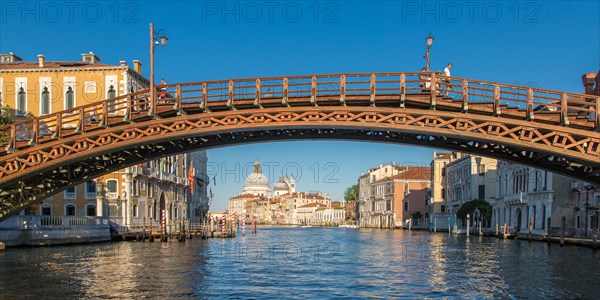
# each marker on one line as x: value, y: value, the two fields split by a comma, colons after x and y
x: 257, y: 184
x: 283, y: 204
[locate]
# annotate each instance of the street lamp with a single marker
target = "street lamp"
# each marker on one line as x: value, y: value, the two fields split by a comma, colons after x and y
x: 429, y: 42
x: 156, y: 38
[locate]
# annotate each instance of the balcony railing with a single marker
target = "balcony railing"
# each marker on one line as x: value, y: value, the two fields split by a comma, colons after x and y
x: 90, y: 195
x: 111, y: 195
x: 69, y: 196
x: 517, y: 198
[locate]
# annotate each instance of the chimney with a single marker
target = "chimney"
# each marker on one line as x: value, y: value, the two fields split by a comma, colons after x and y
x: 41, y: 60
x: 90, y: 58
x: 123, y: 63
x: 137, y: 66
x: 588, y: 83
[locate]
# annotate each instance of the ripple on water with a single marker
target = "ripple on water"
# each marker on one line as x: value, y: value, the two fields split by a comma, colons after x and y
x: 298, y: 263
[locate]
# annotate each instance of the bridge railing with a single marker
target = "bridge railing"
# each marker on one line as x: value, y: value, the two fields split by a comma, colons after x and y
x: 328, y: 89
x: 531, y: 100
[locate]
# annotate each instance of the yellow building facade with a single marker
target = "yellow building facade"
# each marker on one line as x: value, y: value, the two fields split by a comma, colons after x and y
x: 133, y: 197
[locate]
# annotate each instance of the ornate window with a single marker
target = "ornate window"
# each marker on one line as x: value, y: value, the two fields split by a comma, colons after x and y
x: 69, y: 98
x: 45, y: 105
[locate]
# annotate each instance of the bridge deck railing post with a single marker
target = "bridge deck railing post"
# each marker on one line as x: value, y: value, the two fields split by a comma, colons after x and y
x: 465, y: 96
x: 313, y: 90
x: 433, y: 92
x: 286, y: 85
x: 564, y: 111
x: 530, y: 116
x: 230, y: 103
x: 343, y: 90
x: 372, y: 89
x: 82, y: 120
x: 257, y: 96
x: 34, y: 134
x: 497, y: 107
x: 402, y: 90
x: 204, y: 102
x: 104, y: 113
x: 58, y: 129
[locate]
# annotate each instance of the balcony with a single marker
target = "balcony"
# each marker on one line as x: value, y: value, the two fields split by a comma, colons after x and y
x: 90, y: 195
x: 517, y: 198
x: 111, y: 195
x: 69, y: 196
x: 166, y: 177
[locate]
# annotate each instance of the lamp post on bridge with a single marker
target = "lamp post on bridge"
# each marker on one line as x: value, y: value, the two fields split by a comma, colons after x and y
x: 429, y: 42
x: 155, y: 39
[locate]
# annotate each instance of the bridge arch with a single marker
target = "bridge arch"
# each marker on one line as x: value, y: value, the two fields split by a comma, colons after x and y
x: 49, y: 153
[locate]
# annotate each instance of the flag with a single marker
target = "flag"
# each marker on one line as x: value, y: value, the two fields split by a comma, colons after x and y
x: 191, y: 179
x: 174, y: 167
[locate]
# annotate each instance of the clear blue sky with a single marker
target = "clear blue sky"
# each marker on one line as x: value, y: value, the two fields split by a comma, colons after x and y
x: 547, y: 44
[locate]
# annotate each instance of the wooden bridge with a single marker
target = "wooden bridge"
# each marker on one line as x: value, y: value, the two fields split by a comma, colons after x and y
x: 547, y: 129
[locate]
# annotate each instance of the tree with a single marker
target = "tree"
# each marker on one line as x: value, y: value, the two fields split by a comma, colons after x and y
x: 417, y: 215
x: 469, y: 207
x: 5, y: 116
x: 351, y: 193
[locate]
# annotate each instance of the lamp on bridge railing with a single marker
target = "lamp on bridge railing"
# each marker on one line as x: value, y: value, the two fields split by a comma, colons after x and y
x: 429, y: 42
x: 156, y: 38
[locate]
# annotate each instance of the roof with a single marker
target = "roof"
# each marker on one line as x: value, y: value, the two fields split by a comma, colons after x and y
x: 242, y: 196
x: 313, y: 205
x: 51, y: 65
x: 412, y: 173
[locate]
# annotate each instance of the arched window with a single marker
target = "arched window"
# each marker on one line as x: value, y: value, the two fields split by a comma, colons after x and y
x: 154, y: 211
x: 534, y: 215
x: 21, y: 102
x: 543, y: 216
x: 134, y: 211
x: 109, y: 95
x: 90, y: 210
x: 111, y: 186
x: 45, y: 105
x: 69, y: 98
x: 111, y: 92
x: 70, y: 210
x: 46, y: 210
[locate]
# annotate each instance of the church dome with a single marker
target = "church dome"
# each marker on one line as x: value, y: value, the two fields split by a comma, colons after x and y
x: 281, y: 185
x: 256, y: 180
x: 256, y: 183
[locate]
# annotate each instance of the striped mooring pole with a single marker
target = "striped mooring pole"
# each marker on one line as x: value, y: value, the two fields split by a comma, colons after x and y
x: 233, y: 225
x: 163, y: 226
x: 223, y: 223
x: 243, y: 224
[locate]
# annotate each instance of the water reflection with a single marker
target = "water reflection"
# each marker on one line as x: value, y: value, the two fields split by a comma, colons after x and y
x: 305, y: 262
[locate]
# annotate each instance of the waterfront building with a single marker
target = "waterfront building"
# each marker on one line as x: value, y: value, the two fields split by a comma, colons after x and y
x: 391, y: 198
x: 439, y: 200
x: 305, y: 213
x: 351, y: 209
x: 526, y: 194
x: 470, y: 177
x: 128, y: 195
x: 333, y: 215
x: 137, y: 195
x: 199, y: 202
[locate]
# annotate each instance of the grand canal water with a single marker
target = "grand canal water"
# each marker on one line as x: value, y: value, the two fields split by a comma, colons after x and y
x: 302, y: 263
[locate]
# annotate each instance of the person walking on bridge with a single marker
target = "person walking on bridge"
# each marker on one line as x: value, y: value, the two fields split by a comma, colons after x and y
x: 447, y: 73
